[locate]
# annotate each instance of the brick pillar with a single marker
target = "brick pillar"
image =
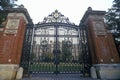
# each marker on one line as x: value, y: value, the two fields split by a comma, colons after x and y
x: 11, y: 43
x: 105, y: 58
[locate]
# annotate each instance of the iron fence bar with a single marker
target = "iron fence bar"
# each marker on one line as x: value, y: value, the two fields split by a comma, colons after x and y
x: 31, y: 48
x: 56, y: 24
x: 56, y: 49
x: 26, y: 49
x: 82, y: 48
x: 89, y: 62
x: 41, y: 35
x: 74, y: 70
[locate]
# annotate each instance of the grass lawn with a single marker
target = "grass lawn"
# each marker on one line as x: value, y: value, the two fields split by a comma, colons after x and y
x: 51, y: 67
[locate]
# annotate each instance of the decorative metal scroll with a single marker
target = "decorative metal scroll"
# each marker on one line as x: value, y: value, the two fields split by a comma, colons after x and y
x: 56, y: 17
x: 56, y: 46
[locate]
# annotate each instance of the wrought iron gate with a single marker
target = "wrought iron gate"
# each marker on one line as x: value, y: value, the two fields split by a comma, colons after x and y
x: 55, y: 46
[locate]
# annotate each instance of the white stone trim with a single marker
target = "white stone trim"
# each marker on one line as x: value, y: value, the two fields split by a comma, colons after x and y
x: 8, y: 71
x: 1, y: 29
x: 106, y: 65
x: 106, y: 71
x: 18, y: 15
x: 9, y: 66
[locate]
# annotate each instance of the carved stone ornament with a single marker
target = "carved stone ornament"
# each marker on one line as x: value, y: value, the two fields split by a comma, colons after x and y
x: 12, y: 24
x: 10, y: 31
x: 1, y: 29
x: 99, y: 28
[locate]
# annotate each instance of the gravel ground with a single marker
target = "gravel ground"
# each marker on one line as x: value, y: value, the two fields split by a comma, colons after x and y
x: 57, y: 77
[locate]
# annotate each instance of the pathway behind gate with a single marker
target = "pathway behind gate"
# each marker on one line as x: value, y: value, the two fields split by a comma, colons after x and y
x: 57, y: 77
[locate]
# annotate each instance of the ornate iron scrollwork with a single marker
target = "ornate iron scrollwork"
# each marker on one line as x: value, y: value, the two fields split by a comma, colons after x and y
x: 56, y: 17
x: 44, y: 43
x: 69, y: 44
x: 57, y: 46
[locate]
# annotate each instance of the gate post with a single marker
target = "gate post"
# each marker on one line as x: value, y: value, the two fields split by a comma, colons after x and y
x: 105, y: 58
x: 11, y: 42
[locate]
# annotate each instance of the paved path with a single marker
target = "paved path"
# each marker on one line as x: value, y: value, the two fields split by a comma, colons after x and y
x: 57, y: 77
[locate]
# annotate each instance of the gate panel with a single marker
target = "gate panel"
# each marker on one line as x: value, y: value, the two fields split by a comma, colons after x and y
x: 42, y: 57
x: 26, y: 51
x: 69, y: 56
x: 56, y: 46
x: 55, y: 53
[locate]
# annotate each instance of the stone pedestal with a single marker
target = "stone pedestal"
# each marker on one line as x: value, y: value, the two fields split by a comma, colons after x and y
x: 11, y: 42
x: 8, y: 71
x: 103, y: 51
x: 19, y: 74
x: 93, y: 72
x: 106, y: 71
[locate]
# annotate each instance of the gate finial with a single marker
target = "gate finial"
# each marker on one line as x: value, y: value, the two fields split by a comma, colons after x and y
x: 89, y: 9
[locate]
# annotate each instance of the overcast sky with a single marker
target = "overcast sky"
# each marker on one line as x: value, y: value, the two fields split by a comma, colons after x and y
x: 73, y: 9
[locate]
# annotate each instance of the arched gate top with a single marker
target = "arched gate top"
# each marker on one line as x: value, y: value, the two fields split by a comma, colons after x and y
x: 56, y: 19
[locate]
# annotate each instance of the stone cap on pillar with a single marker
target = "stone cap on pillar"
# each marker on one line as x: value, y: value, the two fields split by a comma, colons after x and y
x: 21, y: 10
x: 91, y: 12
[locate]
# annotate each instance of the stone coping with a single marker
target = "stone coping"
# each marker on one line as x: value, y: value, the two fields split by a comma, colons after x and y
x: 106, y: 65
x: 9, y: 66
